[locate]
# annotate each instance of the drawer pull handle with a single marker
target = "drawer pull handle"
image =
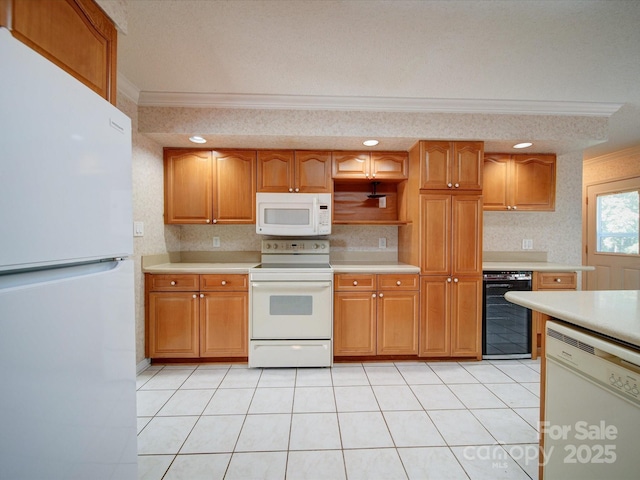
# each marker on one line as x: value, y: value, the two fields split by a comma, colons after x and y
x: 224, y: 282
x: 173, y: 283
x: 558, y: 280
x: 398, y: 283
x: 355, y: 283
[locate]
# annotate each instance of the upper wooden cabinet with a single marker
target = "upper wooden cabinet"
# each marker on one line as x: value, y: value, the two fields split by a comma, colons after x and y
x: 202, y: 186
x: 370, y: 165
x: 449, y: 165
x: 519, y: 182
x: 294, y: 171
x: 76, y: 35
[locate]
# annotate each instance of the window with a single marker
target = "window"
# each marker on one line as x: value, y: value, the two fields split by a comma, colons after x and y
x: 617, y: 222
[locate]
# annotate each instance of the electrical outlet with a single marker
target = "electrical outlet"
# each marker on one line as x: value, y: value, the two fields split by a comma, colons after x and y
x: 527, y: 244
x: 216, y: 242
x: 382, y: 202
x: 382, y: 242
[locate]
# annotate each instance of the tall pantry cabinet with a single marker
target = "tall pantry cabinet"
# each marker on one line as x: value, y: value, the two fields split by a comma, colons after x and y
x: 444, y: 237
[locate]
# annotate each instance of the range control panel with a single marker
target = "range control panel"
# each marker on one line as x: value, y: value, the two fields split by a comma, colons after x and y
x: 295, y: 246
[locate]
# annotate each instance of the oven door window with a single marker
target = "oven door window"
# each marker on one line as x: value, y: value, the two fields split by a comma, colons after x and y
x: 291, y: 310
x: 291, y: 305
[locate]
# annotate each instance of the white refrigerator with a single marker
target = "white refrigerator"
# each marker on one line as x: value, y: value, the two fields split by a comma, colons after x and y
x: 67, y: 329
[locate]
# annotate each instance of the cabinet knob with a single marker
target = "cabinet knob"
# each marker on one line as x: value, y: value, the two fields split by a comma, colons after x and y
x: 455, y: 280
x: 291, y: 189
x: 173, y: 282
x: 508, y: 207
x: 449, y: 185
x: 373, y: 295
x: 381, y: 295
x: 449, y: 280
x: 515, y: 207
x: 297, y: 190
x: 195, y: 296
x: 215, y: 220
x: 208, y: 220
x: 398, y: 283
x: 457, y: 185
x: 202, y: 295
x: 558, y: 280
x: 355, y: 283
x: 224, y: 282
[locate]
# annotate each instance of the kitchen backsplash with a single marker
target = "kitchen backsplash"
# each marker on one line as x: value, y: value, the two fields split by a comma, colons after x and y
x: 345, y: 238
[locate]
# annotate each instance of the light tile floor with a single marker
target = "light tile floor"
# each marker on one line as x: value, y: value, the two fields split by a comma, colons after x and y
x: 416, y: 420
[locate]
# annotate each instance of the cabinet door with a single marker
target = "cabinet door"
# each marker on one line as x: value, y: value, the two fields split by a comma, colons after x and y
x: 435, y: 234
x: 533, y: 182
x: 435, y: 336
x: 234, y: 198
x: 496, y: 182
x: 466, y: 308
x: 76, y: 35
x: 187, y: 186
x: 397, y: 323
x: 312, y: 172
x: 351, y: 165
x: 389, y: 165
x: 466, y: 234
x: 173, y: 325
x: 435, y: 167
x: 224, y: 320
x: 275, y: 171
x: 467, y: 165
x: 354, y: 324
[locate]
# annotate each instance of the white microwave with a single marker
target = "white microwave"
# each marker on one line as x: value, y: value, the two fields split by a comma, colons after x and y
x: 293, y: 214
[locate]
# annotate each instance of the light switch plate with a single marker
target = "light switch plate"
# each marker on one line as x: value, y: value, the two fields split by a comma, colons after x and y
x: 138, y: 229
x: 382, y: 242
x: 527, y: 244
x: 216, y: 242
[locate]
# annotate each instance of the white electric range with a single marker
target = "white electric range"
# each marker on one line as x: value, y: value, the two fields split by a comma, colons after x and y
x: 291, y: 305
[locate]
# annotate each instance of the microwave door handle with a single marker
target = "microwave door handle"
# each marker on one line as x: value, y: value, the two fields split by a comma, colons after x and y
x: 315, y: 212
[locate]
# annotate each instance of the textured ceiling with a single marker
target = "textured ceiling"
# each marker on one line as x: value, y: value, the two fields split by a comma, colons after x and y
x: 517, y: 50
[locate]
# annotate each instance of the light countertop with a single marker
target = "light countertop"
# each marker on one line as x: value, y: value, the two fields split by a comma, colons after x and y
x: 200, y: 267
x: 373, y: 267
x: 510, y: 266
x: 221, y: 267
x: 614, y: 313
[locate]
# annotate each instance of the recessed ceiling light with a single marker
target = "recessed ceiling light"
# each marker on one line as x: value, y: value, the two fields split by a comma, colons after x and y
x: 197, y: 139
x: 523, y: 145
x: 370, y: 143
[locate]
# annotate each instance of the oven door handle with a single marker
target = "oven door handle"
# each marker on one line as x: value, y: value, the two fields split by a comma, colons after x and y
x: 499, y: 285
x: 291, y: 286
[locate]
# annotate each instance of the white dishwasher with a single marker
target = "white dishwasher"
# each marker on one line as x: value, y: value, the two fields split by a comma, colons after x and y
x: 592, y: 399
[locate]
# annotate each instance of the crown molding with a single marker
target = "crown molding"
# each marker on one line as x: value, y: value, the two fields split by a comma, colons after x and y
x: 128, y: 89
x: 378, y: 104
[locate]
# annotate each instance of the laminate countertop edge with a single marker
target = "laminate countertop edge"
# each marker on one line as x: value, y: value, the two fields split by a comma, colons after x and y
x: 613, y: 313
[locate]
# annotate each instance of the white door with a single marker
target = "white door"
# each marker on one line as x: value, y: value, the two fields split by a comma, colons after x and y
x: 612, y: 235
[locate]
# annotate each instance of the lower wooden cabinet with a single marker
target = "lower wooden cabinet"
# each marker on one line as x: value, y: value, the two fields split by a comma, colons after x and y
x: 547, y: 281
x: 375, y: 314
x: 172, y: 325
x: 196, y: 316
x: 450, y: 316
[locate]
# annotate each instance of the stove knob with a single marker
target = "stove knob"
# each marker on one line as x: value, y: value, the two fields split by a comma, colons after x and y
x: 315, y: 246
x: 275, y: 246
x: 323, y: 246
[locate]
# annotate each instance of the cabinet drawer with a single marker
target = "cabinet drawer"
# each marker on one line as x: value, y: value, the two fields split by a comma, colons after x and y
x: 224, y: 282
x: 398, y: 281
x: 354, y: 281
x: 556, y: 280
x: 174, y: 283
